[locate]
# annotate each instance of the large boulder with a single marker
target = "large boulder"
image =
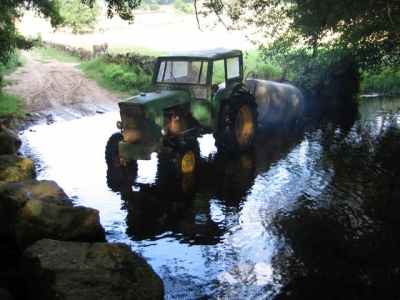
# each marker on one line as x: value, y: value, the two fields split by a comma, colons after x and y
x: 14, y: 196
x: 99, y: 271
x: 39, y: 220
x: 6, y: 144
x: 4, y: 295
x: 14, y: 168
x: 10, y: 142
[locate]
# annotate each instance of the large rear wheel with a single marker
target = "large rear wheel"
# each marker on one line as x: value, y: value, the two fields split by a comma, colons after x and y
x: 237, y: 123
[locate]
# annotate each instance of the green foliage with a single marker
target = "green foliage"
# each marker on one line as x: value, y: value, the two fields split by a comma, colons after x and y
x: 12, y: 64
x: 10, y: 105
x: 123, y: 8
x: 386, y: 82
x: 154, y: 7
x: 11, y: 10
x: 181, y: 6
x: 113, y: 71
x: 218, y: 75
x: 5, y: 69
x: 269, y: 71
x: 79, y: 16
x: 144, y: 83
x: 330, y: 77
x: 10, y: 38
x: 165, y: 2
x: 123, y: 78
x: 6, y: 81
x: 140, y: 50
x: 143, y: 6
x: 49, y: 53
x: 322, y: 42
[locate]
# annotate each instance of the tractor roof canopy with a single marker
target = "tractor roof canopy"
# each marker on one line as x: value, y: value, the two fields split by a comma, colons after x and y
x: 212, y: 54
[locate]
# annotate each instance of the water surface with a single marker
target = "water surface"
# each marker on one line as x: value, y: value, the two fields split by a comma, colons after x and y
x: 303, y: 215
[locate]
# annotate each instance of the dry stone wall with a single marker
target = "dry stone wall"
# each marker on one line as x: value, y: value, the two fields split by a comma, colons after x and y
x: 83, y: 54
x: 145, y: 62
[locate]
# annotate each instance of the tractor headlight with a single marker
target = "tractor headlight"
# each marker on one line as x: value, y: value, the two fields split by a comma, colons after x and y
x: 119, y: 125
x: 164, y: 131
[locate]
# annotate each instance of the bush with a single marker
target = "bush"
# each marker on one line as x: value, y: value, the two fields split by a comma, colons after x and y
x: 10, y: 104
x: 120, y: 77
x: 330, y: 77
x: 128, y: 79
x: 270, y: 72
x: 386, y: 82
x: 113, y: 72
x: 11, y: 65
x: 186, y: 8
x: 144, y: 83
x: 154, y: 7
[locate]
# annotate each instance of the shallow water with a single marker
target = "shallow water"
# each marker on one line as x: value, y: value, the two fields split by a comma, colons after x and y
x: 310, y: 215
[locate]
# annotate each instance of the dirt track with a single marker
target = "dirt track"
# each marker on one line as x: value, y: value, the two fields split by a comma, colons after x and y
x: 56, y: 91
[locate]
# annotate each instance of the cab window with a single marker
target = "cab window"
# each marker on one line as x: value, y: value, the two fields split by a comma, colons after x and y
x: 232, y: 67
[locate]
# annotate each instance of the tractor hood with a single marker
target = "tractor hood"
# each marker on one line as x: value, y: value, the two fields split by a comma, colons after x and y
x: 158, y: 100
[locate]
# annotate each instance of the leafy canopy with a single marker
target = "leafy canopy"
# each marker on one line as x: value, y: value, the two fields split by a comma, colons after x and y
x: 369, y: 29
x: 12, y: 10
x: 79, y: 16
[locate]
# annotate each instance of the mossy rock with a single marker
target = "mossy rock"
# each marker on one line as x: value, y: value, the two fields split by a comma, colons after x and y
x: 15, y: 168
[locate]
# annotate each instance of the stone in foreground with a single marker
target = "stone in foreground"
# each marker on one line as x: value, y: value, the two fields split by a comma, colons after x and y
x: 14, y: 196
x: 10, y: 142
x: 38, y: 220
x: 14, y: 168
x: 99, y: 271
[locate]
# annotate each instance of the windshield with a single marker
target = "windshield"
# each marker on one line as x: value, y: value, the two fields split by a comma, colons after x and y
x: 191, y: 72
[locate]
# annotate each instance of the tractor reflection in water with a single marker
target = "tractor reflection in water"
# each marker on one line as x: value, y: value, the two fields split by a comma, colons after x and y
x: 180, y: 205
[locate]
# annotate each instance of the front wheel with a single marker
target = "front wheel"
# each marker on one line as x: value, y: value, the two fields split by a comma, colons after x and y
x: 112, y: 152
x: 184, y: 157
x: 237, y: 123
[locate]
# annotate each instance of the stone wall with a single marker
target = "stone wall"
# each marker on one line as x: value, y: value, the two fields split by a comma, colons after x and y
x: 83, y: 54
x: 145, y: 62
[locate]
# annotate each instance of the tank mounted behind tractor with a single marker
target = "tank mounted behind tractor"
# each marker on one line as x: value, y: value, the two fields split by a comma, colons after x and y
x: 197, y: 93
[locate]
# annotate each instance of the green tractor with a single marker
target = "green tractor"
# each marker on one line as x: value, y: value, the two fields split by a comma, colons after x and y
x: 195, y: 93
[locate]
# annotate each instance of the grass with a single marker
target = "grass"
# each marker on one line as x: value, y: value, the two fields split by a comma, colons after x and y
x: 7, y: 81
x: 10, y: 105
x: 125, y: 79
x: 383, y: 84
x: 49, y: 53
x: 252, y: 62
x: 140, y: 50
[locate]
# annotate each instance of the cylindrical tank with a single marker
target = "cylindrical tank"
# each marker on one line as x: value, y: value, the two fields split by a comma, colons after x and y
x: 277, y: 102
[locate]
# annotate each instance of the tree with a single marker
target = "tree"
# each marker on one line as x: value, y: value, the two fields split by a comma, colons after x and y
x: 11, y: 10
x: 323, y: 41
x: 184, y: 7
x: 79, y: 16
x: 368, y: 28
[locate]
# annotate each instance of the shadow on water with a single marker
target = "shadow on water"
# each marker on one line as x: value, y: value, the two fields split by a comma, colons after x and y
x: 342, y: 244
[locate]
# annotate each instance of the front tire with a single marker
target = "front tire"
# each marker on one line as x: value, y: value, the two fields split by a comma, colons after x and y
x: 237, y: 123
x: 184, y: 157
x: 112, y: 152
